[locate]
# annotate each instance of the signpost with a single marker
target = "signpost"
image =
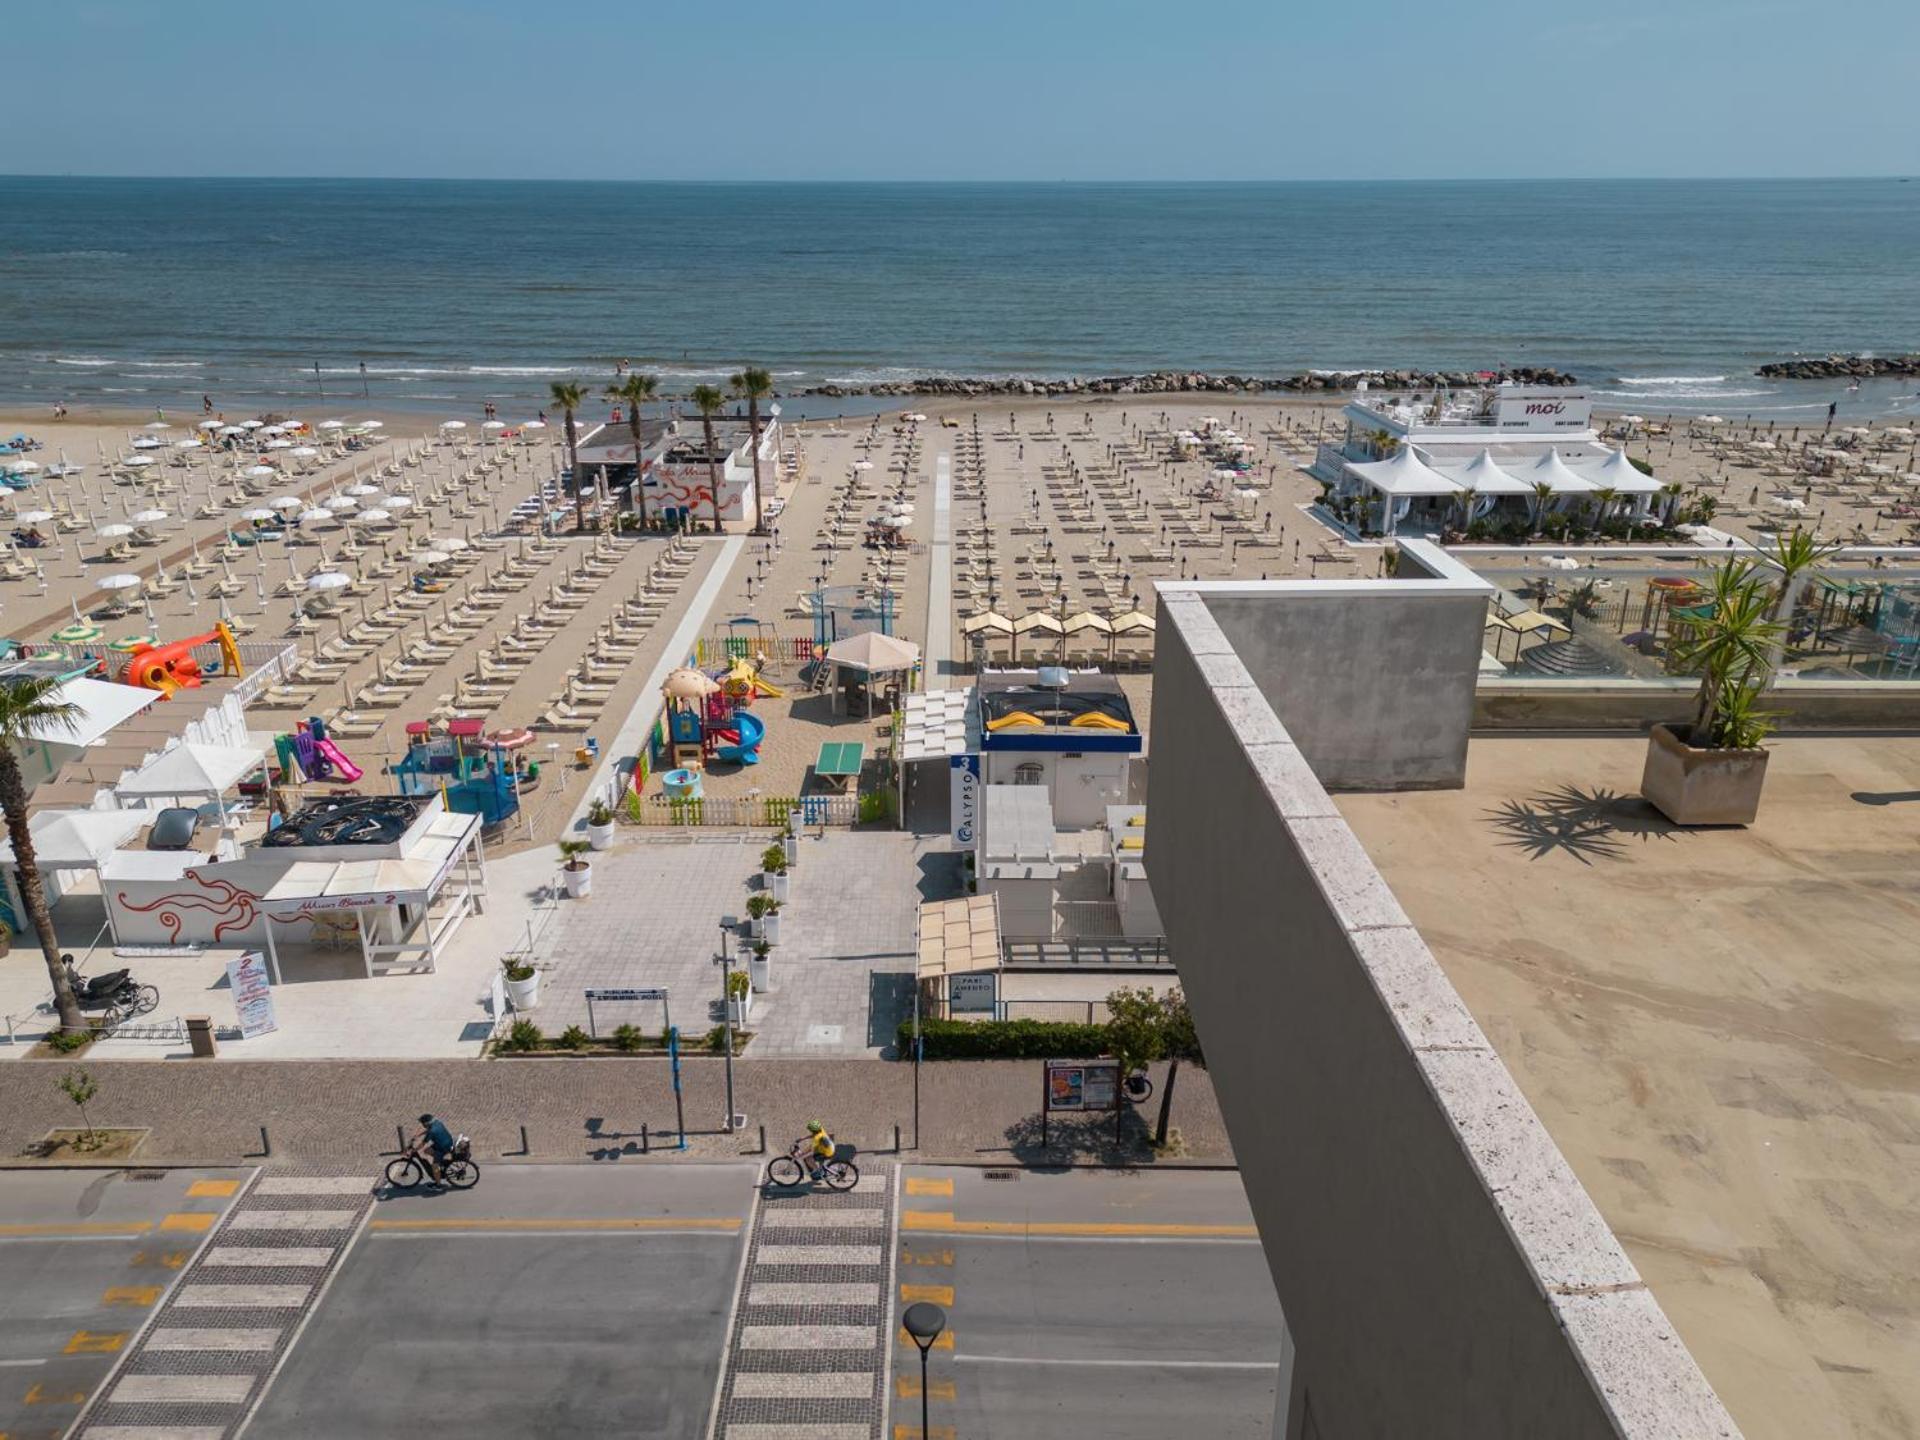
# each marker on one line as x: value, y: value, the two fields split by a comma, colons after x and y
x: 964, y: 778
x: 976, y: 994
x: 252, y: 994
x: 679, y: 1105
x: 649, y: 992
x: 1080, y: 1086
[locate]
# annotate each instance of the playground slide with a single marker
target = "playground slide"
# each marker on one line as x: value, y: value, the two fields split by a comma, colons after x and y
x: 334, y: 756
x: 752, y: 731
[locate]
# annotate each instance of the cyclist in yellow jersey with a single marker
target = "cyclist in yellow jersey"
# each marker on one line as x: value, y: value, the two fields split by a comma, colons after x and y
x: 820, y: 1149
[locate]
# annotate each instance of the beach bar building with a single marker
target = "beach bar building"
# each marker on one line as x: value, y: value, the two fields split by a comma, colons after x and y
x: 675, y: 478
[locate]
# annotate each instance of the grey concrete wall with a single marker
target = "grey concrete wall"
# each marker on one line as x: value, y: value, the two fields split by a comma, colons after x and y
x: 1441, y: 1270
x: 1804, y: 707
x: 1374, y: 679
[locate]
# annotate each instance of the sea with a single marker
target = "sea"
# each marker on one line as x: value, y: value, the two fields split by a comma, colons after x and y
x: 1661, y: 296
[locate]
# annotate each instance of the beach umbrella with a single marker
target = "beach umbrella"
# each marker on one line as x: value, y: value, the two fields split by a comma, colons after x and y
x: 429, y: 557
x: 260, y: 513
x: 314, y: 517
x: 450, y: 542
x: 233, y: 429
x: 113, y: 532
x: 118, y: 582
x: 146, y: 442
x: 189, y: 444
x: 329, y: 580
x: 252, y: 424
x: 304, y: 452
x: 136, y: 461
x: 209, y: 425
x: 533, y: 424
x: 280, y: 445
x: 260, y: 472
x: 156, y: 425
x: 287, y: 502
x: 453, y: 424
x: 34, y: 517
x: 127, y: 644
x: 494, y: 425
x: 363, y: 490
x: 273, y: 429
x: 343, y: 503
x: 79, y: 633
x: 374, y: 516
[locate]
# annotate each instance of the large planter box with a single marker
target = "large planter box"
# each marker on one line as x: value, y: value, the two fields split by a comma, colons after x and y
x: 1702, y: 787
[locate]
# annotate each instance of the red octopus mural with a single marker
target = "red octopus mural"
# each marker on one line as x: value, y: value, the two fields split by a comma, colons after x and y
x: 235, y: 909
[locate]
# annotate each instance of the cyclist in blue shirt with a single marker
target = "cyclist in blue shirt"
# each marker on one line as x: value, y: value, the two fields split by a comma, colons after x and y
x: 435, y: 1136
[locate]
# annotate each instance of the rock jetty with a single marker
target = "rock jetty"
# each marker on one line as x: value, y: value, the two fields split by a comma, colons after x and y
x: 1841, y: 367
x: 1175, y: 382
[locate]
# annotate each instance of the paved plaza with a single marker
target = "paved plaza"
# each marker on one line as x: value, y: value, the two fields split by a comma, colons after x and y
x: 841, y: 973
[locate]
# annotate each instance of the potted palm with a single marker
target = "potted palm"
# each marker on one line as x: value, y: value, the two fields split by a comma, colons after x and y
x: 523, y: 982
x: 576, y: 871
x: 1711, y: 772
x: 600, y: 825
x: 760, y: 966
x: 790, y: 843
x: 773, y: 871
x: 739, y: 997
x: 763, y: 913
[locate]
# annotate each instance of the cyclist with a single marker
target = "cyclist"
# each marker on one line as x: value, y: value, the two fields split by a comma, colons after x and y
x: 433, y: 1144
x: 820, y: 1149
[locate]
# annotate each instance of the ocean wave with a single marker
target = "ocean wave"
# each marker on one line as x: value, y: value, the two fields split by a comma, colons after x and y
x: 531, y: 370
x: 101, y: 362
x: 1672, y: 379
x: 1646, y: 397
x: 75, y: 255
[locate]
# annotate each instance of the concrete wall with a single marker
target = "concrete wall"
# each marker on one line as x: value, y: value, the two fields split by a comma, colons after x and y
x: 1374, y: 679
x: 1442, y: 1272
x: 1081, y: 784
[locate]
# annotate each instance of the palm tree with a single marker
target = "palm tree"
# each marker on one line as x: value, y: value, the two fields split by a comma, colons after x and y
x: 1542, y: 493
x: 710, y: 402
x: 1670, y: 493
x: 568, y: 397
x: 1800, y: 559
x: 27, y: 711
x: 754, y: 385
x: 633, y: 391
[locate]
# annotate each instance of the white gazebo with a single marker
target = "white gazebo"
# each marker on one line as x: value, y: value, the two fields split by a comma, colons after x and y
x: 191, y: 771
x: 65, y: 840
x: 1620, y: 474
x: 870, y: 654
x: 1399, y: 481
x: 100, y: 706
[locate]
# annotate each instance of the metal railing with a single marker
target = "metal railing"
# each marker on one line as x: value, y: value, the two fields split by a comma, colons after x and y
x: 1086, y: 952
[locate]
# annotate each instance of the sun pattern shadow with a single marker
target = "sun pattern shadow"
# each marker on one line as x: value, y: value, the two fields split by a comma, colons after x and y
x: 1589, y: 825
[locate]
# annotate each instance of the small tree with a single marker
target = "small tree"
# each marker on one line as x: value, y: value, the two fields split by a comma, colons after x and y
x: 78, y: 1086
x: 1183, y: 1043
x: 1732, y: 649
x: 1136, y: 1031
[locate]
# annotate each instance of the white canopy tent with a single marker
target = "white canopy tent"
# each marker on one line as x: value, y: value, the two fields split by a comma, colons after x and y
x: 1403, y: 476
x: 102, y: 705
x: 1619, y: 473
x: 1550, y: 469
x: 71, y: 840
x: 191, y: 769
x: 870, y: 653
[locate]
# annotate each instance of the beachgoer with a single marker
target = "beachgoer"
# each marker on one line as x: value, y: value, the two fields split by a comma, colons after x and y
x: 206, y: 405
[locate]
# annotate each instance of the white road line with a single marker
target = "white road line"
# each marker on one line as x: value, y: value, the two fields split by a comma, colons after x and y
x: 802, y: 1384
x: 818, y: 1255
x: 857, y: 1292
x: 20, y: 1364
x: 242, y: 1297
x: 293, y: 1220
x: 231, y: 1341
x: 808, y: 1337
x: 824, y: 1219
x: 1153, y: 1362
x: 292, y: 1258
x: 810, y: 1430
x: 182, y: 1389
x: 315, y: 1185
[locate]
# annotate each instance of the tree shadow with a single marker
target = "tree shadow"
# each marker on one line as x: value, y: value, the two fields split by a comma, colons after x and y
x: 1587, y: 824
x: 1071, y: 1138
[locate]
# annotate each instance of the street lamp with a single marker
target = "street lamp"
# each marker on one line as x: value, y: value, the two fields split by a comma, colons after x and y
x: 727, y: 922
x: 924, y: 1322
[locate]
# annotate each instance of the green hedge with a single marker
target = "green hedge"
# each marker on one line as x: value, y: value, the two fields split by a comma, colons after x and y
x: 1004, y: 1039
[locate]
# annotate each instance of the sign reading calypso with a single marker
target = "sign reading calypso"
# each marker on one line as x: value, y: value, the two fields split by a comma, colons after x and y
x: 1547, y: 410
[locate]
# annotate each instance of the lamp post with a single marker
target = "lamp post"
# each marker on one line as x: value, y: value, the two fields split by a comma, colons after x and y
x: 924, y: 1321
x: 727, y: 922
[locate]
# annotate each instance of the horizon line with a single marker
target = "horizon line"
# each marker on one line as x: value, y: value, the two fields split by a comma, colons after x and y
x: 974, y: 180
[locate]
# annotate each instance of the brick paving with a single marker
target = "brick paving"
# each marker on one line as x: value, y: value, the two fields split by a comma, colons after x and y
x: 343, y: 1112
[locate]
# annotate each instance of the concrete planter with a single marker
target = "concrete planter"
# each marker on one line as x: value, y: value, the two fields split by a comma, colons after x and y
x: 770, y: 927
x: 741, y: 1010
x: 1702, y: 787
x: 578, y: 878
x: 777, y: 886
x: 760, y: 972
x: 525, y: 994
x: 792, y: 843
x: 601, y: 836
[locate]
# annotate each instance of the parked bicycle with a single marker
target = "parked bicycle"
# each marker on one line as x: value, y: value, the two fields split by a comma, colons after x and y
x: 1137, y: 1087
x: 459, y: 1171
x: 790, y: 1169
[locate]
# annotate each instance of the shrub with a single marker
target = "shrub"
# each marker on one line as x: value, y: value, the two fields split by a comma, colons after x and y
x: 573, y: 1038
x: 773, y: 860
x: 517, y: 967
x: 1004, y: 1039
x: 761, y: 904
x: 67, y: 1041
x: 522, y: 1035
x: 738, y: 984
x: 627, y: 1038
x: 716, y: 1040
x: 599, y: 813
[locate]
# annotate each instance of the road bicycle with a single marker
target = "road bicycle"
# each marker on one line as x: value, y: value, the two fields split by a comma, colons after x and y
x: 458, y: 1171
x: 788, y: 1170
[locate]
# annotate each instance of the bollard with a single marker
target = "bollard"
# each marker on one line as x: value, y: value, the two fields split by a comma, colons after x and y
x: 763, y: 1140
x: 400, y: 1139
x: 896, y: 1139
x: 200, y: 1037
x: 646, y: 1145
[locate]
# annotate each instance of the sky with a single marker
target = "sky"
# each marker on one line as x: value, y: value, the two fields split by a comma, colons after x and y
x: 1043, y: 90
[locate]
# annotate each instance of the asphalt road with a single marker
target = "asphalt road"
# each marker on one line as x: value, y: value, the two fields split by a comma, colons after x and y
x: 548, y: 1300
x: 1089, y: 1303
x: 84, y: 1258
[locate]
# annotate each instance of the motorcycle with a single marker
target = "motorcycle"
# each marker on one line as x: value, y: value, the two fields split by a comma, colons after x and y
x: 117, y: 993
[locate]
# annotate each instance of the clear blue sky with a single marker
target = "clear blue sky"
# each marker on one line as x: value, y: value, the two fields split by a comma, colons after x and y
x: 1000, y: 89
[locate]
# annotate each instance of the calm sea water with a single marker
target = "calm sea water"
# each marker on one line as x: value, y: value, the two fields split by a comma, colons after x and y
x: 1661, y: 295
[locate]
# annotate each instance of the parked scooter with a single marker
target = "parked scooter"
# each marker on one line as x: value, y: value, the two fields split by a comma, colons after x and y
x: 116, y: 992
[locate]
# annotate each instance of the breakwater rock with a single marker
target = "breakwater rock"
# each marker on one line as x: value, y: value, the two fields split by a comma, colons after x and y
x: 1841, y: 367
x: 1178, y: 382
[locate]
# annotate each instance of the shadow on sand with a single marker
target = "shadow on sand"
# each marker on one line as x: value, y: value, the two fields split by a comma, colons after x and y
x: 1586, y: 824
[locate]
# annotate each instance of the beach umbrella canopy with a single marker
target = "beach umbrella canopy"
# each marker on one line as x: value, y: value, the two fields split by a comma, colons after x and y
x: 157, y: 425
x: 314, y: 517
x: 146, y: 442
x: 329, y: 580
x: 251, y: 424
x: 260, y: 472
x: 1133, y: 621
x: 119, y: 582
x: 494, y: 425
x: 453, y: 424
x: 260, y: 513
x: 137, y: 460
x: 81, y: 632
x: 189, y: 444
x: 149, y: 517
x: 233, y: 429
x: 113, y: 532
x: 279, y: 444
x: 430, y: 557
x: 533, y: 425
x: 304, y: 452
x: 369, y: 424
x: 209, y: 425
x: 396, y: 502
x: 127, y: 644
x: 343, y: 502
x: 362, y: 490
x: 34, y: 517
x: 287, y: 502
x: 986, y: 622
x: 516, y: 738
x: 375, y: 516
x: 331, y: 425
x: 450, y: 542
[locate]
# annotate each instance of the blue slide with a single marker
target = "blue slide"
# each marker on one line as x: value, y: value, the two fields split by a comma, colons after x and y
x: 752, y: 731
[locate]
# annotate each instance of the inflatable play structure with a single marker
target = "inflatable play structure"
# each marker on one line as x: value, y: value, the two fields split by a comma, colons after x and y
x: 312, y: 755
x: 170, y: 668
x: 476, y: 773
x: 709, y: 717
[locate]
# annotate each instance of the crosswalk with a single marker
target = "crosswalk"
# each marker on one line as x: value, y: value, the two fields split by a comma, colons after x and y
x: 213, y: 1346
x: 807, y: 1357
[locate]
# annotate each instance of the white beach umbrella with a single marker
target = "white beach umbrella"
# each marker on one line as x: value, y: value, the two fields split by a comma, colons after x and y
x: 233, y: 429
x: 342, y: 503
x: 119, y: 582
x: 157, y: 425
x: 189, y: 444
x: 494, y: 425
x: 396, y: 502
x: 279, y: 444
x: 453, y: 424
x: 260, y: 513
x: 430, y: 557
x: 273, y: 429
x: 315, y: 517
x: 149, y: 517
x: 148, y: 442
x: 34, y: 517
x: 209, y: 425
x: 329, y: 580
x: 252, y: 424
x: 373, y: 517
x: 287, y: 502
x: 533, y: 424
x: 304, y: 452
x: 363, y: 490
x: 113, y: 532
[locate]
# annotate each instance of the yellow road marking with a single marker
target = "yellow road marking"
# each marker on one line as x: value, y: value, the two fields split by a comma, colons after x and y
x: 945, y: 1342
x: 191, y: 1221
x: 130, y: 1295
x: 172, y: 1259
x: 938, y: 1294
x: 103, y: 1227
x: 37, y: 1396
x: 926, y: 1257
x: 212, y: 1189
x: 912, y: 1432
x: 662, y: 1222
x: 929, y: 1186
x: 89, y: 1342
x: 944, y: 1222
x: 907, y: 1387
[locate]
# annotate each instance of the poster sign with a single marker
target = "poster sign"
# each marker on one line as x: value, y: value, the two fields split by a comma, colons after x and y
x: 1083, y: 1084
x: 972, y: 994
x: 1517, y: 407
x: 252, y: 994
x: 965, y: 772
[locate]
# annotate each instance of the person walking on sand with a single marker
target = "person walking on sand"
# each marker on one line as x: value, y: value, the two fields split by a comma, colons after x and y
x: 206, y: 405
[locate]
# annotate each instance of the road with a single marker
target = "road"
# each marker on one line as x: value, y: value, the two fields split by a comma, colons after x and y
x: 1120, y: 1304
x: 85, y: 1256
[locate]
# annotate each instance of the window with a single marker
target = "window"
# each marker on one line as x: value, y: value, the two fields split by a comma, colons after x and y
x: 1031, y: 773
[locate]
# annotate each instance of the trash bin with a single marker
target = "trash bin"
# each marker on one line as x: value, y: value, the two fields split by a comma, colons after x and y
x: 200, y: 1036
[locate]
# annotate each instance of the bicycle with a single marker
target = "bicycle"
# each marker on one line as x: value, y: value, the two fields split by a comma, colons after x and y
x: 1137, y: 1087
x: 787, y: 1170
x: 459, y: 1171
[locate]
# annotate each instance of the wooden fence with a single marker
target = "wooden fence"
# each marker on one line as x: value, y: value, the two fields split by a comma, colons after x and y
x: 743, y: 812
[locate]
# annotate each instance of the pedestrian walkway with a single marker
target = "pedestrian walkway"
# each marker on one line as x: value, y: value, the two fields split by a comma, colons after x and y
x: 808, y: 1359
x: 939, y: 653
x: 211, y: 1349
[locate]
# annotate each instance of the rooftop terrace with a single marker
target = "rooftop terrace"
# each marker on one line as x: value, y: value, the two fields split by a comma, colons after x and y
x: 1721, y: 1031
